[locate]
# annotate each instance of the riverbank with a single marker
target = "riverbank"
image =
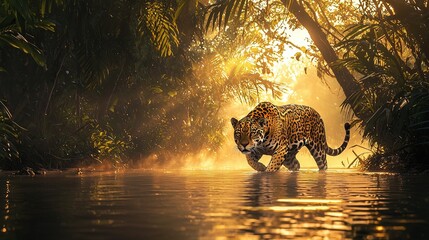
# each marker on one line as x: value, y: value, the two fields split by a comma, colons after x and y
x: 400, y: 162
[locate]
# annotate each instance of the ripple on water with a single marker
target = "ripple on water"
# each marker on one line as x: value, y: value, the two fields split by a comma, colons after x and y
x: 215, y: 205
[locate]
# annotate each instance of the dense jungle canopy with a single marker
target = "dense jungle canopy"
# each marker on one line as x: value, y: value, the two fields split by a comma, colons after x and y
x: 115, y: 81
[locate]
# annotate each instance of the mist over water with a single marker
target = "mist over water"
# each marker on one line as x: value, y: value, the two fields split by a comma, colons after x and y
x: 325, y: 96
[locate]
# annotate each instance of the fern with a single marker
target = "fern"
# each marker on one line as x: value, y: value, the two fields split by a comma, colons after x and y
x: 393, y: 95
x: 157, y: 20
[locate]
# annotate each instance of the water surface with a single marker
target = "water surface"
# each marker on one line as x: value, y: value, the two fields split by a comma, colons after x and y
x: 214, y: 205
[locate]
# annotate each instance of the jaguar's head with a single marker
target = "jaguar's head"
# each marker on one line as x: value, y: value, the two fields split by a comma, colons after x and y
x: 248, y: 133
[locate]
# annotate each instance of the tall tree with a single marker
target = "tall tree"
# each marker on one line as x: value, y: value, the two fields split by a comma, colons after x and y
x: 227, y: 9
x: 342, y: 74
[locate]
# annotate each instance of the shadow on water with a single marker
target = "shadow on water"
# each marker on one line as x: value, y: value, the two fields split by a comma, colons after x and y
x: 215, y: 204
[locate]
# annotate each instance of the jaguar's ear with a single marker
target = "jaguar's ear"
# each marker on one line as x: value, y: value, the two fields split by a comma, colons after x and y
x: 234, y: 122
x: 262, y: 121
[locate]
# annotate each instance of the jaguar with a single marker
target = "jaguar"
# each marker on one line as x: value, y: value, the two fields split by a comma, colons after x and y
x: 281, y: 131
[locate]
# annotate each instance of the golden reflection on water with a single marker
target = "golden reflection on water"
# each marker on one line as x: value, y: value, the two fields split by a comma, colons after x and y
x: 308, y: 205
x: 295, y: 200
x: 296, y: 208
x: 6, y: 206
x: 216, y: 205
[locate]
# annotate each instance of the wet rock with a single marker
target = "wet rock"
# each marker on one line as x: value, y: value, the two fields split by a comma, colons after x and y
x: 26, y: 171
x: 40, y: 172
x: 30, y: 172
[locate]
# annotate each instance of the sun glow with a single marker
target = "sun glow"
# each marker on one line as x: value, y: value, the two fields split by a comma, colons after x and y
x: 292, y: 64
x: 297, y: 75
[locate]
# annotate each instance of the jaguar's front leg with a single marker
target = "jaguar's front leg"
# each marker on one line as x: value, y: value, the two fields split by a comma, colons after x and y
x: 252, y: 160
x: 277, y: 160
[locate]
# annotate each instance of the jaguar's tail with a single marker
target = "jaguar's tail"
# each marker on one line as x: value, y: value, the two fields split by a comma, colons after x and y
x: 335, y: 152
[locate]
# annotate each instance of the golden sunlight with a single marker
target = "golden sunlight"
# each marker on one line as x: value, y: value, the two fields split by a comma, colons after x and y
x: 299, y: 77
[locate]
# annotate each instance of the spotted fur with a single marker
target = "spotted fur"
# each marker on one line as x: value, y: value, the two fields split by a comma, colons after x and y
x: 281, y: 131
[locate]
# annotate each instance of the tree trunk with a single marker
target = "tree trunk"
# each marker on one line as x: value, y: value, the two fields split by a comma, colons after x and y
x: 343, y: 75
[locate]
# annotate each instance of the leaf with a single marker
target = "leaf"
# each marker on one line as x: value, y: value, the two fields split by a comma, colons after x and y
x: 419, y: 123
x: 420, y: 113
x: 209, y: 19
x: 356, y: 29
x: 158, y: 19
x: 43, y: 8
x: 19, y: 42
x: 223, y: 10
x: 180, y: 7
x: 421, y: 129
x: 45, y: 25
x: 228, y: 12
x: 157, y: 90
x: 242, y: 5
x: 298, y: 55
x: 172, y: 93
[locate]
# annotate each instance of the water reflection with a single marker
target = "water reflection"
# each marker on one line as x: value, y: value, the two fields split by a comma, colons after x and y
x: 215, y: 205
x: 291, y: 206
x: 334, y: 206
x: 6, y: 210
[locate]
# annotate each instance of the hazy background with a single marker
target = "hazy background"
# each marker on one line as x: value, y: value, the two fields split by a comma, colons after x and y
x: 325, y: 96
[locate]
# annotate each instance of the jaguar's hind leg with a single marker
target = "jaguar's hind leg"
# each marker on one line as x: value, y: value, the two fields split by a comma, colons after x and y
x: 319, y: 154
x: 291, y: 162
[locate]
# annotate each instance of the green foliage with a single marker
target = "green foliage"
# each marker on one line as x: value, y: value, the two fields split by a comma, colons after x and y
x: 9, y: 138
x: 17, y: 20
x: 109, y: 95
x: 123, y: 79
x: 394, y: 94
x: 108, y: 147
x: 157, y: 20
x: 16, y: 40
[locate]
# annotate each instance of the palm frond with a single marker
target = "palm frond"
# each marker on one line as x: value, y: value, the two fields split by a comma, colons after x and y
x: 9, y: 136
x: 223, y: 11
x: 157, y: 20
x: 245, y: 83
x: 16, y: 40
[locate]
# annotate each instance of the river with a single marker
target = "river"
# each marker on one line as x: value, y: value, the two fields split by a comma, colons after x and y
x: 148, y: 204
